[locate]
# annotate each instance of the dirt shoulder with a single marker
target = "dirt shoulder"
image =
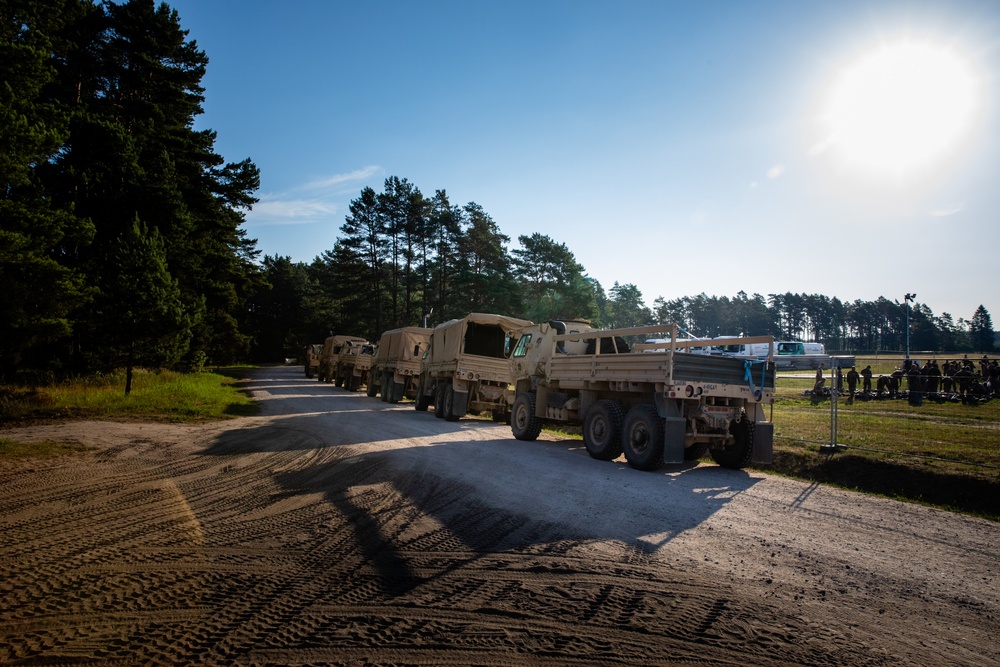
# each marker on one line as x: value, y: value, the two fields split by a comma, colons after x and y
x: 337, y: 529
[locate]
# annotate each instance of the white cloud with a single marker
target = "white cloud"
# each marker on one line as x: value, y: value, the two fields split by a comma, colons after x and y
x: 753, y: 184
x: 358, y: 175
x: 289, y: 211
x: 324, y: 198
x: 944, y: 212
x: 775, y: 171
x: 823, y: 146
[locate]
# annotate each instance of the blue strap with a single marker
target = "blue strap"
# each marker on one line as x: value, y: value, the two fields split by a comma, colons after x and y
x: 748, y: 377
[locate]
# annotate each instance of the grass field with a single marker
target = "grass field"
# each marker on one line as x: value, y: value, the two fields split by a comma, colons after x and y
x: 945, y: 454
x: 156, y: 396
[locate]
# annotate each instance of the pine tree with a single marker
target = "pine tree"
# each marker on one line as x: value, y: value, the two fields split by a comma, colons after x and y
x: 981, y: 330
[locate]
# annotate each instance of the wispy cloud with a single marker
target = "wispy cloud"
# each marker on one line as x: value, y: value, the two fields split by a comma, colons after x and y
x: 356, y: 176
x: 944, y: 212
x: 314, y: 201
x: 823, y: 146
x: 775, y: 171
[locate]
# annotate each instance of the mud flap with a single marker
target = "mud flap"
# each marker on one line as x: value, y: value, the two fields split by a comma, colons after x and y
x: 763, y: 442
x: 460, y: 404
x: 673, y: 439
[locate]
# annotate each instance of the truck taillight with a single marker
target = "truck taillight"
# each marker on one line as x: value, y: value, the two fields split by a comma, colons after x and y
x: 689, y: 391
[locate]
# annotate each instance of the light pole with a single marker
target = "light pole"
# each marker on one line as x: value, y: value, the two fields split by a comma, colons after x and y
x: 906, y: 301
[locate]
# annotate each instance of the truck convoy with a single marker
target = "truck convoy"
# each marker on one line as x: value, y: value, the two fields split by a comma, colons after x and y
x: 354, y: 365
x: 658, y: 404
x: 330, y: 357
x: 396, y: 369
x: 312, y: 354
x: 466, y: 368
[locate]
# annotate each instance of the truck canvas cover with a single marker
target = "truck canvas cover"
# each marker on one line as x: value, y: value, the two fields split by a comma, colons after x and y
x: 480, y: 334
x: 406, y: 344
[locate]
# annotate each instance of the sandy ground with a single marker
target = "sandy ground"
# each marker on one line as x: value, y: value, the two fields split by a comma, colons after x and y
x: 338, y: 529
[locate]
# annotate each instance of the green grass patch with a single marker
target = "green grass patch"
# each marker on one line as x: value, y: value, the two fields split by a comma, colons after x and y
x: 941, y: 454
x: 11, y: 449
x: 156, y: 396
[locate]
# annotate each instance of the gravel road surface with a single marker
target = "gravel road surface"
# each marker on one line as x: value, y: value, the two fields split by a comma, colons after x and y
x: 338, y: 529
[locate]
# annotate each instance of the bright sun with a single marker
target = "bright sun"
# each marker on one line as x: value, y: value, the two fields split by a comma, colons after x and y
x: 900, y: 107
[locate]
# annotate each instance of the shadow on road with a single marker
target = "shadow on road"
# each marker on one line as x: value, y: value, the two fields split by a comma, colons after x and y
x: 404, y: 481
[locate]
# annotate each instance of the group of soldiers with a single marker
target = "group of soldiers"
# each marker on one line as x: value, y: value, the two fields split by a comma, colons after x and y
x: 956, y: 380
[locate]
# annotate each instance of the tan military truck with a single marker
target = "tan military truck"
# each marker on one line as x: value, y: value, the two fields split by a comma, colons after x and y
x: 466, y: 369
x: 354, y: 365
x: 311, y: 355
x: 330, y: 357
x: 658, y: 403
x: 397, y: 366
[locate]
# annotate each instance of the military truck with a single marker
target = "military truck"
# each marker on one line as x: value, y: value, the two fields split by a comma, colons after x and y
x: 466, y: 370
x: 311, y: 355
x: 354, y: 365
x: 330, y: 357
x: 397, y: 366
x: 657, y: 403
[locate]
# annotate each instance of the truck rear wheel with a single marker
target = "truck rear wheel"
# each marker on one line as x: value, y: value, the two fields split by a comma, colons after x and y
x: 696, y: 451
x: 384, y: 388
x: 737, y: 455
x: 642, y: 438
x: 423, y: 400
x: 602, y: 430
x: 372, y: 388
x: 449, y: 404
x: 523, y: 422
x: 439, y: 400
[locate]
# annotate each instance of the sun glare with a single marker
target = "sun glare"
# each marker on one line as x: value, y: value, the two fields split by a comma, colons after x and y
x: 900, y: 107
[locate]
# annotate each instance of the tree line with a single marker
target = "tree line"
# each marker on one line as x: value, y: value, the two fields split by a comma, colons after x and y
x: 122, y: 239
x: 403, y: 259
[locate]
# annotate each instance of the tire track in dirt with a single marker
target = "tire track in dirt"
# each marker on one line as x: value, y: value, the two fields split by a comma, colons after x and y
x: 270, y: 543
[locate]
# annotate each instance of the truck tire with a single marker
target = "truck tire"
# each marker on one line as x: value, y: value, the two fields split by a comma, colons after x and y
x: 384, y: 388
x: 354, y: 383
x: 439, y: 400
x: 372, y: 388
x: 696, y: 451
x: 392, y: 390
x: 398, y: 391
x: 449, y: 404
x: 524, y: 424
x: 642, y: 438
x: 737, y: 455
x: 423, y: 400
x: 602, y: 430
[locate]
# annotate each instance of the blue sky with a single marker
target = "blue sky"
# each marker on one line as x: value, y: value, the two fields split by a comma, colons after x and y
x: 684, y: 147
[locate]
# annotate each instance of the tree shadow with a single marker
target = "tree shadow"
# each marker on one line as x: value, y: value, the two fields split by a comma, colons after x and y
x: 489, y: 492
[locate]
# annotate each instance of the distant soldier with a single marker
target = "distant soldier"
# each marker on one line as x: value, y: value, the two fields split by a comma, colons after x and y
x: 884, y: 384
x: 932, y: 375
x: 852, y: 383
x: 947, y: 379
x: 914, y: 382
x: 866, y: 373
x: 820, y: 382
x: 964, y: 379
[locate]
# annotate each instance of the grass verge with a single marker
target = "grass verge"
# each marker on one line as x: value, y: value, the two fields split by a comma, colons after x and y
x: 14, y: 449
x: 162, y: 396
x: 941, y: 454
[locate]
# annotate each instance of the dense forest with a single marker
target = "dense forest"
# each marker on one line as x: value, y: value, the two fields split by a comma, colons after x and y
x: 122, y: 237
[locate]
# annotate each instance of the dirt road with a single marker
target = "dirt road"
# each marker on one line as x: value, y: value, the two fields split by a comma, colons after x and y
x: 338, y: 529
